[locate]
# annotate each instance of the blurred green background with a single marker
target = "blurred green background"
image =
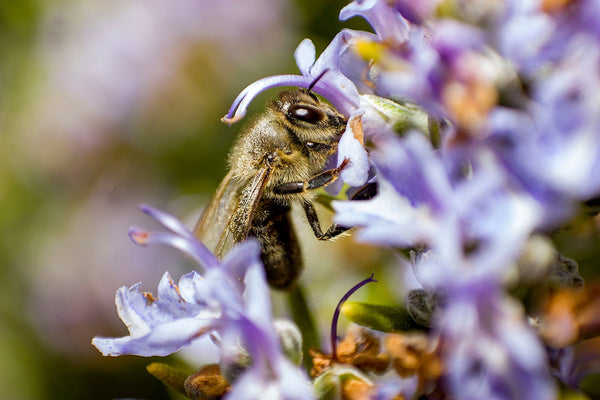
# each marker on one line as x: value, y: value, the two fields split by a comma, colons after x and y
x: 105, y: 105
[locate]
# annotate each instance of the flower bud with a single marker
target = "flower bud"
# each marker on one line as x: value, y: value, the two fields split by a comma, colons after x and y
x: 290, y: 338
x: 420, y: 305
x: 340, y: 382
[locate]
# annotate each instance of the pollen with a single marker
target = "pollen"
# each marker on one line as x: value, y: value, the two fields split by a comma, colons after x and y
x: 149, y: 298
x: 370, y: 50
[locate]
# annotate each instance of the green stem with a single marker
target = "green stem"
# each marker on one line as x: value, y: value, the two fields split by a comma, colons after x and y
x: 303, y: 317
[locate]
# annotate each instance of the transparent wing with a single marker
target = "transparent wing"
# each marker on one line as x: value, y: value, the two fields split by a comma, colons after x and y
x: 239, y: 224
x: 213, y: 221
x: 226, y: 220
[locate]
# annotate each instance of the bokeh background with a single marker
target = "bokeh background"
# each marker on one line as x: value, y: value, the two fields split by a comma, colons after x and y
x: 105, y: 105
x: 108, y: 104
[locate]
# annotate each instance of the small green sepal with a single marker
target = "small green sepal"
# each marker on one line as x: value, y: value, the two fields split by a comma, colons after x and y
x: 401, y: 117
x: 381, y: 318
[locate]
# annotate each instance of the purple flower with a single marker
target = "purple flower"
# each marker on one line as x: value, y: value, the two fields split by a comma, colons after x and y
x: 161, y: 326
x: 489, y: 351
x: 230, y: 300
x: 416, y: 11
x: 534, y: 35
x: 412, y: 189
x: 524, y: 35
x: 552, y: 148
x: 444, y: 70
x: 332, y: 84
x: 389, y: 25
x: 423, y: 202
x: 566, y: 116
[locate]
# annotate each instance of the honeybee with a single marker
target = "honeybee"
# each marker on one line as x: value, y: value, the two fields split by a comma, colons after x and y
x: 278, y: 160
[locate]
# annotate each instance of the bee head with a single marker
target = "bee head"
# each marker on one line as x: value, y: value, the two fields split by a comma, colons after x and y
x: 307, y: 117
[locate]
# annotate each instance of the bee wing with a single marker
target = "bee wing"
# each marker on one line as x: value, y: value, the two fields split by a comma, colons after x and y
x: 212, y: 224
x: 239, y: 223
x: 227, y: 218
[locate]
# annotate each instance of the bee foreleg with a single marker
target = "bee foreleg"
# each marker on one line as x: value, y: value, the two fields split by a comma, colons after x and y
x: 315, y: 182
x: 313, y: 219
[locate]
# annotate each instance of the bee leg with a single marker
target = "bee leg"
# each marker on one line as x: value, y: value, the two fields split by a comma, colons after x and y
x: 366, y: 192
x: 315, y: 182
x: 313, y: 219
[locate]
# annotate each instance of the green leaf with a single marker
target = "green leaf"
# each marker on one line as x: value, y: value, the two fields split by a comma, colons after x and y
x: 381, y: 318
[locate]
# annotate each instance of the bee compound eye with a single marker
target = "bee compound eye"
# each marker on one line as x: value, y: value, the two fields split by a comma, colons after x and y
x: 306, y: 113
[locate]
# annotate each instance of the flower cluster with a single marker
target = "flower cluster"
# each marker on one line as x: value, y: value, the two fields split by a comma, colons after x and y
x: 479, y: 122
x: 229, y: 301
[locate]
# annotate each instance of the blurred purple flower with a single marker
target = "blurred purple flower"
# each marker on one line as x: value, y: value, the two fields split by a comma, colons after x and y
x: 216, y: 302
x: 488, y: 349
x: 567, y: 119
x: 416, y: 11
x: 524, y: 35
x: 389, y: 25
x: 422, y: 203
x: 552, y: 149
x: 534, y: 34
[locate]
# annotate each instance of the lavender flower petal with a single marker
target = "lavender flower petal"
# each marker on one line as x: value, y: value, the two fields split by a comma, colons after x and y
x: 240, y: 105
x: 334, y: 86
x: 158, y: 326
x: 167, y: 220
x: 188, y: 245
x: 163, y: 340
x: 305, y: 55
x: 382, y: 16
x: 357, y: 172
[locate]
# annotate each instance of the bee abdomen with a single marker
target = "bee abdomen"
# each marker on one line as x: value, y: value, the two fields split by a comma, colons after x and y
x: 280, y: 251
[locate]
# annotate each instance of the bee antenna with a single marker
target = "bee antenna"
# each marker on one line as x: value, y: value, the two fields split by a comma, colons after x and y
x: 317, y: 79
